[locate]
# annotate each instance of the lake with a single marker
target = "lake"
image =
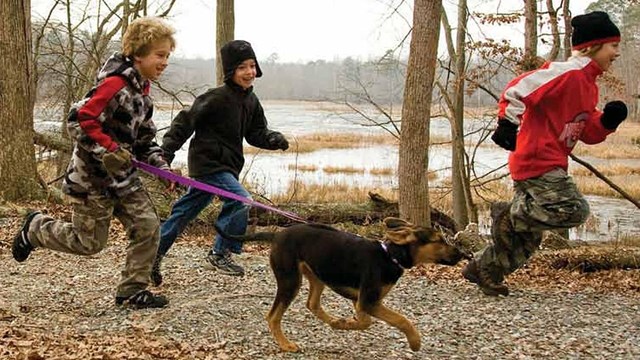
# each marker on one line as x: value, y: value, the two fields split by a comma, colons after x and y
x: 613, y: 218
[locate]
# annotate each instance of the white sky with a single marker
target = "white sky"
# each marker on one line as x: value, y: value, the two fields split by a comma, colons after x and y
x: 306, y: 30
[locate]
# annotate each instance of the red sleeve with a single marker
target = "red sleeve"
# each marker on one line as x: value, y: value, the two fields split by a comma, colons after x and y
x: 90, y: 112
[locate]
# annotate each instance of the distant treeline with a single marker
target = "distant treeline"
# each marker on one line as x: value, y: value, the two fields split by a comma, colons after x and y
x: 349, y: 80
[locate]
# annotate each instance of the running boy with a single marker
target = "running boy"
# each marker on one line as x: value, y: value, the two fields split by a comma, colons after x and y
x: 542, y: 114
x: 109, y: 128
x: 220, y: 118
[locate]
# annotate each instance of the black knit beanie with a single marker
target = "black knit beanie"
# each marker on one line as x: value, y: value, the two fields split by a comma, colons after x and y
x: 233, y: 54
x: 592, y: 29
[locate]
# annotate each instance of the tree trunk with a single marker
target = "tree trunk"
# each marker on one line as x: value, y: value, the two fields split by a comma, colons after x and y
x: 529, y: 61
x: 413, y: 161
x: 566, y: 17
x: 225, y: 32
x: 555, y: 32
x: 459, y: 178
x: 17, y: 156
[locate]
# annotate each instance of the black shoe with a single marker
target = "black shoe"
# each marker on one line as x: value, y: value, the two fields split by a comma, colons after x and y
x: 225, y: 264
x: 143, y: 300
x: 156, y: 276
x: 21, y: 247
x: 489, y: 287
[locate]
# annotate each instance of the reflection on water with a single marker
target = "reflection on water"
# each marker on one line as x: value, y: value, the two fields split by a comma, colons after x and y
x: 611, y: 218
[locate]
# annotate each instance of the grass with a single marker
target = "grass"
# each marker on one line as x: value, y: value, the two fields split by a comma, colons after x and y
x: 591, y: 185
x: 623, y: 144
x: 320, y: 141
x: 309, y: 168
x: 338, y: 192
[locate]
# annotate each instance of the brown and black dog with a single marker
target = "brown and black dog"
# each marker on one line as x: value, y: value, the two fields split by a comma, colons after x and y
x: 359, y: 269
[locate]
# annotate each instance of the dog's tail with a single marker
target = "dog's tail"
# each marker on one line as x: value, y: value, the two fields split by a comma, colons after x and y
x: 261, y: 236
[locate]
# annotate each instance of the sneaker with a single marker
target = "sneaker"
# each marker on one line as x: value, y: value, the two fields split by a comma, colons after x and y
x: 156, y: 276
x: 21, y: 247
x: 144, y: 299
x: 225, y: 264
x: 481, y: 278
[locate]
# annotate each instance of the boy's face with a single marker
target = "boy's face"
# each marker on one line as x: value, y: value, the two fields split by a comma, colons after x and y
x: 607, y: 55
x: 152, y: 65
x: 245, y: 73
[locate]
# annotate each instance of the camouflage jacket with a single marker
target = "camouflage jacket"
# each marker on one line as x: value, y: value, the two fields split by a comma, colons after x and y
x: 117, y: 112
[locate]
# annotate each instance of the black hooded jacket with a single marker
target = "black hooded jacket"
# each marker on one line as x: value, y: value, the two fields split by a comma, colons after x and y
x: 220, y: 118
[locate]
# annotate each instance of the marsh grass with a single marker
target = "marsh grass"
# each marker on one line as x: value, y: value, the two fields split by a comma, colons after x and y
x: 623, y: 144
x: 591, y: 185
x: 338, y: 192
x: 310, y: 168
x: 382, y: 171
x: 343, y: 170
x: 320, y: 141
x: 607, y: 170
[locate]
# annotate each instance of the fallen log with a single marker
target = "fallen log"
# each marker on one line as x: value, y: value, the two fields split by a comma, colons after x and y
x: 375, y: 210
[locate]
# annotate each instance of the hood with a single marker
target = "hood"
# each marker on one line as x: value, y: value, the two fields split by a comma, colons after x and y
x: 121, y: 65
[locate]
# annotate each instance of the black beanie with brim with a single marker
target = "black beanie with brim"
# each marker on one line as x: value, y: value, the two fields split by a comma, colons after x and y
x: 592, y: 29
x: 233, y: 54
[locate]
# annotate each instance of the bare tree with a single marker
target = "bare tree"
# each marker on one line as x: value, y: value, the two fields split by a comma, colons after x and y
x: 225, y: 32
x: 413, y: 161
x: 17, y: 157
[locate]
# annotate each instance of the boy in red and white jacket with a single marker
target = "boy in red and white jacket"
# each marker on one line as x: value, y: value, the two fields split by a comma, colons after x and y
x: 542, y: 115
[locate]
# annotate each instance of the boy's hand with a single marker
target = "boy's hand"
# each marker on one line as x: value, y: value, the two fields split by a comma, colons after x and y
x: 505, y: 134
x: 116, y: 161
x: 613, y: 114
x: 278, y: 141
x: 168, y: 184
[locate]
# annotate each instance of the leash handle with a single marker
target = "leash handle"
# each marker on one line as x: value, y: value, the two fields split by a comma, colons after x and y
x: 211, y: 189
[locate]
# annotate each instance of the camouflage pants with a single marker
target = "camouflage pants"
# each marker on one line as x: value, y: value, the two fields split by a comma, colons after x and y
x: 88, y: 231
x: 551, y: 201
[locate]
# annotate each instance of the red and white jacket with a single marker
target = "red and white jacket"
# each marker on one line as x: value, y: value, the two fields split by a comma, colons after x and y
x: 554, y: 107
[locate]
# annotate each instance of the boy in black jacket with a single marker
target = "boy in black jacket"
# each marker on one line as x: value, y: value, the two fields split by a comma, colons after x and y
x: 220, y: 118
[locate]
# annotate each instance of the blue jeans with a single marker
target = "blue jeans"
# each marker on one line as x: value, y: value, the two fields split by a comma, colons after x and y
x: 233, y: 216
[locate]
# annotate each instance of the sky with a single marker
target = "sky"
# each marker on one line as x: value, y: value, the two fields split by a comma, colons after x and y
x: 308, y: 30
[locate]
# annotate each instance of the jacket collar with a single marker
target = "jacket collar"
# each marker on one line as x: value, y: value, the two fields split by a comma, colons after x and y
x: 588, y: 65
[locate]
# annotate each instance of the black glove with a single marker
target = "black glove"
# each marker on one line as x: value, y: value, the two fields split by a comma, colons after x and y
x: 613, y: 114
x: 277, y: 140
x: 505, y: 134
x: 117, y: 161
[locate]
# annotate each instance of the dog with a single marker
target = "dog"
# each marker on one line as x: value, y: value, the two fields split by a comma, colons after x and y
x: 361, y: 270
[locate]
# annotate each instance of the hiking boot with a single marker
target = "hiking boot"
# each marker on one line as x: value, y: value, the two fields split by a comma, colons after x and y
x: 483, y: 279
x: 156, y: 276
x: 144, y: 299
x: 22, y: 247
x: 225, y: 264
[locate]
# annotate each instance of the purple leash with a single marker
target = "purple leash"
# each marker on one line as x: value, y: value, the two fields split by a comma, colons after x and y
x: 211, y: 189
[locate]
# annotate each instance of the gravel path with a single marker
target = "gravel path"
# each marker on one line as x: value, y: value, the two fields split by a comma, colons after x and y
x: 61, y: 306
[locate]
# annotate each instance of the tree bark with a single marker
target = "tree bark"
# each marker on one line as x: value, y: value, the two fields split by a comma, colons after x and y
x: 462, y: 202
x: 17, y: 156
x: 225, y: 32
x: 413, y: 161
x: 529, y: 61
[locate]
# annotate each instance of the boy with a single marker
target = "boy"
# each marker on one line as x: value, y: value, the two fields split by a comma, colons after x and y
x: 110, y: 127
x: 542, y: 114
x: 220, y: 118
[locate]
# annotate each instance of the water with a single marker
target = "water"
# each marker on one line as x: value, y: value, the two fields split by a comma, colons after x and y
x: 270, y: 170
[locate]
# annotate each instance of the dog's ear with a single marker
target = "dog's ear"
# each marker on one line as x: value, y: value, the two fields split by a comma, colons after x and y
x: 401, y: 235
x: 393, y: 222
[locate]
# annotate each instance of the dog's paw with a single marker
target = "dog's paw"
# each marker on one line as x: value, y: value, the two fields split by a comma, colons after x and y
x: 289, y: 347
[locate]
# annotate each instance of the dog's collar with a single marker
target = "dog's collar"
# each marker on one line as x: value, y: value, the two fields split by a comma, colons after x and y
x: 393, y: 258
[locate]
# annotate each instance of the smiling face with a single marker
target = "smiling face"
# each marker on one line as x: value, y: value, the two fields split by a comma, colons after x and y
x: 151, y: 65
x: 607, y: 54
x: 245, y: 73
